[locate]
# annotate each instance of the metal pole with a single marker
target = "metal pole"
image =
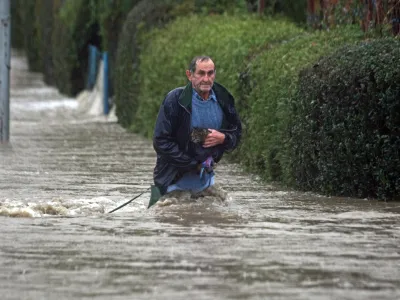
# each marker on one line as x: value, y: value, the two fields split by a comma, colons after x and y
x: 106, y: 107
x: 5, y: 40
x: 92, y: 72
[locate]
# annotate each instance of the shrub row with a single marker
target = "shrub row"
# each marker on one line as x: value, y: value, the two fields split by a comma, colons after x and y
x: 228, y: 39
x: 17, y: 32
x: 144, y: 16
x: 56, y: 35
x: 148, y: 14
x: 267, y: 85
x: 345, y: 134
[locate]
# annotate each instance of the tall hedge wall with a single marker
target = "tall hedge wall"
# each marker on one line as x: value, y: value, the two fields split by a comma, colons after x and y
x: 144, y: 15
x: 29, y: 29
x: 44, y: 25
x: 267, y: 85
x: 17, y: 31
x: 111, y: 16
x: 346, y: 127
x: 228, y: 39
x: 74, y: 29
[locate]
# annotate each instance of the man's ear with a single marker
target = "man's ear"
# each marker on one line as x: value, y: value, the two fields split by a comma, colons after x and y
x: 189, y: 75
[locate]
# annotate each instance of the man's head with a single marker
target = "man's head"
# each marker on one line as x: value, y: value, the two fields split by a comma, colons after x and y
x: 201, y: 73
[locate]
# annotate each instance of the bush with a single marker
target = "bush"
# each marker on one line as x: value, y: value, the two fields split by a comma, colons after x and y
x: 29, y: 30
x: 144, y: 16
x: 44, y: 26
x: 227, y: 39
x: 346, y: 126
x: 267, y: 85
x: 220, y: 6
x: 17, y: 29
x: 148, y: 14
x: 75, y: 27
x: 111, y: 16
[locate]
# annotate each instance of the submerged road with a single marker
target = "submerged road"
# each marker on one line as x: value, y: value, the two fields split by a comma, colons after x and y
x: 63, y: 170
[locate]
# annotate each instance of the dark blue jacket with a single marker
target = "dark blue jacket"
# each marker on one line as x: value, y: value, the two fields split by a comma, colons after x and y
x: 176, y: 154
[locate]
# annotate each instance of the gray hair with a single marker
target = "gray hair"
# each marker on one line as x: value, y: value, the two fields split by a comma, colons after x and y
x: 193, y: 63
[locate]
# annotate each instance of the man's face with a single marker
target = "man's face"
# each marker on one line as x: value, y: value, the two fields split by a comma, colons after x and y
x: 203, y: 78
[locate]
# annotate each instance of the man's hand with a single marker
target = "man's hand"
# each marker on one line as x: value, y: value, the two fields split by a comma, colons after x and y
x: 214, y: 138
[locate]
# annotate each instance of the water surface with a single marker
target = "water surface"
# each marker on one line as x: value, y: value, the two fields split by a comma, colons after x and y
x: 63, y: 170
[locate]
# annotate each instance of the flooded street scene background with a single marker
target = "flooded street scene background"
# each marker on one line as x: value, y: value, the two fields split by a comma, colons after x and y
x: 64, y: 170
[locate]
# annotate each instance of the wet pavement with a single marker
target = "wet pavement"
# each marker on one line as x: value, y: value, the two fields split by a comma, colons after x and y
x: 63, y: 170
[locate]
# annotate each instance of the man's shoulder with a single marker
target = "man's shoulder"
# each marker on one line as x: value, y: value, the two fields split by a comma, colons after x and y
x: 175, y: 93
x: 222, y: 93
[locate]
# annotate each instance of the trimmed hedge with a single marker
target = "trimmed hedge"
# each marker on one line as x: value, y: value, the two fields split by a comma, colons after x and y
x: 111, y: 15
x: 144, y: 16
x: 44, y: 27
x: 17, y: 31
x: 227, y: 39
x: 267, y: 86
x: 74, y: 29
x: 31, y: 46
x: 346, y: 126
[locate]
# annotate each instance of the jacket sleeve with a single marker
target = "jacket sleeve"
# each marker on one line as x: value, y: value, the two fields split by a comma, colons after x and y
x: 164, y: 139
x: 234, y: 133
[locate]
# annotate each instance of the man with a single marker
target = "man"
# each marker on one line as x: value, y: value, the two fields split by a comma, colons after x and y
x: 183, y: 165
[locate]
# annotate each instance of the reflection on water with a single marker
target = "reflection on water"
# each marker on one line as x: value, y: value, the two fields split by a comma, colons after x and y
x: 63, y: 171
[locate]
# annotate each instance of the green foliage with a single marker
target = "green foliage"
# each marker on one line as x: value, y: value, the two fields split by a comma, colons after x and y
x: 74, y: 26
x: 31, y: 46
x: 17, y: 28
x: 294, y: 10
x: 143, y: 16
x: 44, y: 27
x: 227, y: 39
x: 346, y: 121
x: 220, y: 6
x: 111, y: 15
x: 267, y: 86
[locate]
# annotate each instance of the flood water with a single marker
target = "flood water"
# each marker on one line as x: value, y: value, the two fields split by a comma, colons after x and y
x: 63, y: 170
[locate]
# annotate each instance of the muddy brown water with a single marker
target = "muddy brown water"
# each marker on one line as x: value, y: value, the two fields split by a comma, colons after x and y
x: 63, y: 170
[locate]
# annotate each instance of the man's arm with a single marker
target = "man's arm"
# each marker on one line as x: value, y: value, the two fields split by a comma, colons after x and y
x: 229, y: 138
x: 164, y: 141
x: 232, y: 136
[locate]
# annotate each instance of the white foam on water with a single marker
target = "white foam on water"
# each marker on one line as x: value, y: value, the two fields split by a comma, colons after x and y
x: 62, y: 207
x: 363, y: 215
x: 46, y: 105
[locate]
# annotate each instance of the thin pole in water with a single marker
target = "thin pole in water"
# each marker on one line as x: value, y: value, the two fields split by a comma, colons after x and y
x: 5, y: 47
x: 126, y: 203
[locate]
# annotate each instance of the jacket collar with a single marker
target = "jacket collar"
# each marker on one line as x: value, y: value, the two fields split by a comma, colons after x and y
x: 185, y: 99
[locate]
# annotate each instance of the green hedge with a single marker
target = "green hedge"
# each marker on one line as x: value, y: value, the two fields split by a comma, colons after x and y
x: 144, y: 16
x: 228, y: 39
x: 44, y: 26
x: 267, y: 85
x: 219, y: 6
x: 74, y: 28
x: 17, y: 29
x: 111, y: 15
x: 345, y: 133
x: 31, y: 45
